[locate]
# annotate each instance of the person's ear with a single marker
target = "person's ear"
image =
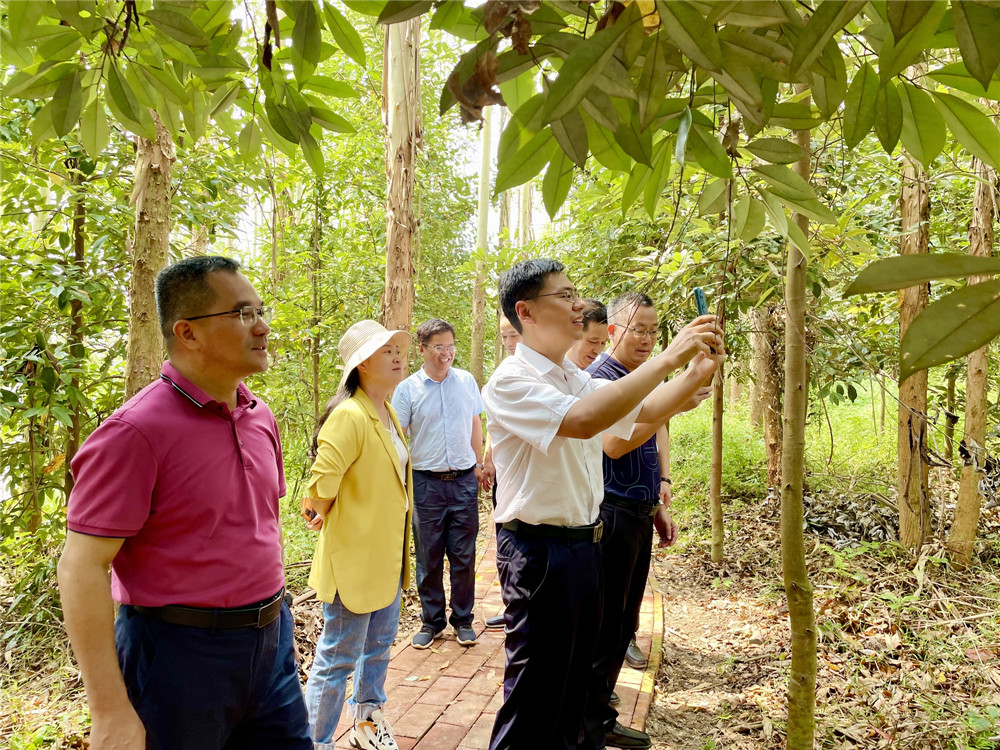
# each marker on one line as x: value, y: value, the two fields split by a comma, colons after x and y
x: 185, y: 334
x: 523, y: 311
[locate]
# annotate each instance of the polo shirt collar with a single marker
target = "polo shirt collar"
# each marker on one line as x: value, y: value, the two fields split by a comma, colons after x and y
x: 542, y: 364
x: 170, y: 374
x: 428, y: 377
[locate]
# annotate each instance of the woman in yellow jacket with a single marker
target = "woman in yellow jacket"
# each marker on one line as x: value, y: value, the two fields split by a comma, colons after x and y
x: 361, y: 493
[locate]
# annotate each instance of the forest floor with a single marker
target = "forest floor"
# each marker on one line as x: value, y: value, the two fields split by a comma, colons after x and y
x: 908, y: 650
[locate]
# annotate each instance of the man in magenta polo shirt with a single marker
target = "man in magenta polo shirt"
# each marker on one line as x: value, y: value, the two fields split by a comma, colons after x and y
x: 178, y: 493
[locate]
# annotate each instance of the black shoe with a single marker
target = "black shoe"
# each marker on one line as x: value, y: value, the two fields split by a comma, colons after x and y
x: 626, y: 737
x: 465, y: 635
x: 634, y: 656
x: 426, y: 637
x: 614, y: 700
x: 495, y: 622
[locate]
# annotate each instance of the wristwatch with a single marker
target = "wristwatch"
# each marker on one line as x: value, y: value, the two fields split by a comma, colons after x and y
x: 479, y: 466
x: 666, y: 479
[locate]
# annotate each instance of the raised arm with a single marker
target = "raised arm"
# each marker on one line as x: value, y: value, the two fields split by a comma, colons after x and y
x: 85, y: 589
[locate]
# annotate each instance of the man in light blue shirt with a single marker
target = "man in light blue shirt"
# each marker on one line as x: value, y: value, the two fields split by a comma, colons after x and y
x: 439, y: 406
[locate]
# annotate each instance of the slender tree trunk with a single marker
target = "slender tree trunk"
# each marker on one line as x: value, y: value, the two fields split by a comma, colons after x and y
x: 913, y: 499
x: 735, y: 388
x: 715, y: 480
x: 525, y: 235
x: 76, y: 348
x: 950, y: 417
x: 758, y: 359
x: 503, y: 240
x: 482, y: 245
x: 771, y: 388
x: 150, y: 250
x: 962, y: 538
x: 798, y: 589
x: 315, y: 275
x: 401, y: 98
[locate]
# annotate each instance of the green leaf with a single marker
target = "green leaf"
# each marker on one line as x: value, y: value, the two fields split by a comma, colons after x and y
x: 196, y: 116
x: 713, y: 198
x: 571, y: 133
x: 859, y: 106
x: 972, y: 127
x: 249, y: 142
x: 794, y: 116
x: 41, y: 125
x: 826, y: 20
x: 604, y: 149
x: 94, y: 129
x: 178, y: 26
x: 748, y: 216
x: 923, y: 132
x: 652, y: 86
x: 904, y: 16
x: 330, y: 120
x: 776, y: 150
x: 636, y: 142
x: 888, y: 116
x: 344, y: 34
x: 897, y: 54
x: 683, y: 133
x: 558, y: 180
x: 749, y: 13
x: 223, y: 98
x: 403, y: 10
x: 166, y: 83
x: 785, y: 183
x: 636, y: 181
x: 828, y: 91
x: 958, y: 77
x: 288, y: 148
x: 38, y: 84
x: 313, y: 153
x: 526, y: 162
x: 22, y: 17
x: 757, y: 53
x: 306, y: 42
x: 67, y: 103
x: 598, y: 105
x: 124, y: 105
x: 517, y: 131
x: 659, y: 175
x: 330, y: 87
x: 170, y: 115
x: 977, y: 31
x: 580, y: 71
x: 798, y: 238
x: 708, y: 152
x: 691, y: 33
x: 775, y: 212
x: 900, y: 272
x: 951, y: 327
x: 62, y: 46
x: 517, y: 90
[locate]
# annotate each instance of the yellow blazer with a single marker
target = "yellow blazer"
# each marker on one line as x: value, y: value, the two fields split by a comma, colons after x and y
x: 363, y: 548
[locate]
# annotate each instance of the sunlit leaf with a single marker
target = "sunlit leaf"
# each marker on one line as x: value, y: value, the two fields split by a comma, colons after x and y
x: 748, y: 218
x: 974, y: 129
x: 713, y: 197
x: 977, y: 31
x: 94, y: 129
x: 67, y: 103
x: 557, y: 182
x: 708, y: 152
x: 306, y: 41
x: 859, y: 105
x: 344, y: 33
x: 923, y: 132
x: 888, y: 116
x: 659, y: 175
x: 330, y: 87
x: 958, y: 77
x: 691, y: 33
x: 526, y: 162
x: 899, y: 272
x: 571, y: 134
x: 951, y: 327
x: 827, y: 19
x: 634, y: 184
x: 897, y: 54
x: 178, y: 26
x: 776, y: 150
x: 653, y: 77
x: 403, y: 10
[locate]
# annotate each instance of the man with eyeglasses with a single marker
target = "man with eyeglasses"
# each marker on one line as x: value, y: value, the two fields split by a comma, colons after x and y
x: 439, y: 406
x: 546, y: 417
x: 178, y: 492
x: 636, y: 497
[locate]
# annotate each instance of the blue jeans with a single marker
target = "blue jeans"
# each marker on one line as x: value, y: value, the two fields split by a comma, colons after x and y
x: 349, y: 643
x: 204, y: 689
x: 446, y: 521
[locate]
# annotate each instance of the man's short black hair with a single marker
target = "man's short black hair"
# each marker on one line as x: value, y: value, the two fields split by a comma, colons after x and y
x: 523, y: 281
x: 431, y: 328
x: 182, y: 290
x: 624, y: 303
x: 594, y: 311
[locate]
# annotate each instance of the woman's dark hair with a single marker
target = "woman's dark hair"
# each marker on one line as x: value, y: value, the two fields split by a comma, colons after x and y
x: 350, y: 387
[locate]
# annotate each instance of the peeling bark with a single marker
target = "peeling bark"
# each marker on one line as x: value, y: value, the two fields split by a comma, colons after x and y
x: 482, y: 245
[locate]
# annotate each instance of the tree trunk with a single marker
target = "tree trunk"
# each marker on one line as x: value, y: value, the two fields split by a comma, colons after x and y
x: 401, y: 99
x: 150, y: 250
x: 525, y: 234
x: 771, y: 387
x: 950, y: 417
x: 758, y: 359
x: 962, y: 538
x: 912, y: 498
x: 482, y: 245
x: 798, y: 589
x: 315, y: 274
x: 715, y: 480
x: 75, y: 337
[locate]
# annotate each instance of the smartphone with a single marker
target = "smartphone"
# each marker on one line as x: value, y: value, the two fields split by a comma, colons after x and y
x: 700, y: 301
x: 308, y: 513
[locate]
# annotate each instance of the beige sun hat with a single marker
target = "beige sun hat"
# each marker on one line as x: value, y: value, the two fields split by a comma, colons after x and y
x: 361, y: 341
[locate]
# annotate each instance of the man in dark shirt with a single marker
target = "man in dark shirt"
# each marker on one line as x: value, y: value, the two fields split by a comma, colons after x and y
x: 635, y: 476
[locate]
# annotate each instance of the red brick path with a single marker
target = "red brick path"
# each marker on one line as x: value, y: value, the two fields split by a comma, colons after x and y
x: 445, y: 697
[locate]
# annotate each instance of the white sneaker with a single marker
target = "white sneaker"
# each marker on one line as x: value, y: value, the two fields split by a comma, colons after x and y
x: 373, y: 734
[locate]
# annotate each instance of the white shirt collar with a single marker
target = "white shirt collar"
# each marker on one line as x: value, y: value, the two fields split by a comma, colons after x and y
x: 542, y: 364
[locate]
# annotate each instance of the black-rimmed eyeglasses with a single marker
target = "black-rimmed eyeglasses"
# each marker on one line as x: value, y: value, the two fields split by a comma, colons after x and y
x: 565, y: 296
x: 248, y: 315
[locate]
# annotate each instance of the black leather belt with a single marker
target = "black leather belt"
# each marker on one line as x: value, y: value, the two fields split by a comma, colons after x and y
x: 639, y: 506
x: 559, y: 533
x: 257, y: 615
x: 445, y: 476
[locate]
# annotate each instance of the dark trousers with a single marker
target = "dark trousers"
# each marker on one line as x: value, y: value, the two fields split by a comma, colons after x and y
x: 626, y: 547
x: 446, y: 522
x: 203, y: 689
x: 552, y: 591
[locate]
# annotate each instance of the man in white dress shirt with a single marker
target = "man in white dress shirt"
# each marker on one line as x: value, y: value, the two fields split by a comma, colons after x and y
x: 546, y: 417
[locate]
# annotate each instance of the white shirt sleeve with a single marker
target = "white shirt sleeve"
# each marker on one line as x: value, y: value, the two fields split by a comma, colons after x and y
x: 527, y: 408
x: 624, y: 426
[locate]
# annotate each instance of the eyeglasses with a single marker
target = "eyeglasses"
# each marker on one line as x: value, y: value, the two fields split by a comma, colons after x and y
x: 442, y: 349
x: 641, y: 334
x: 248, y: 315
x: 565, y: 296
